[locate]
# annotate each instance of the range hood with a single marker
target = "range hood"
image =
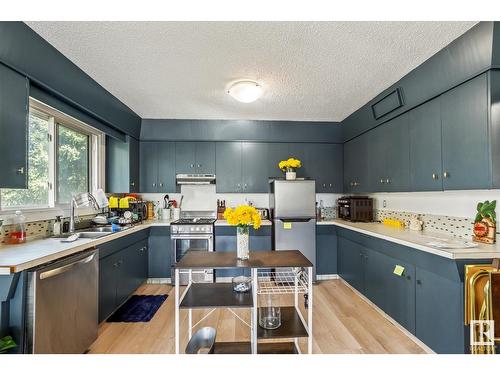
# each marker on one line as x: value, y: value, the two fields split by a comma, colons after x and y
x: 195, y: 179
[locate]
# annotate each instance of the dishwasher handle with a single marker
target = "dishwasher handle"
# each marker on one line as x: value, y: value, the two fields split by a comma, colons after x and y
x: 65, y: 268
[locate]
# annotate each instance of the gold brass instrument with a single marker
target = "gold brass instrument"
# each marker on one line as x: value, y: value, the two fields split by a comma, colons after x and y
x: 482, y: 289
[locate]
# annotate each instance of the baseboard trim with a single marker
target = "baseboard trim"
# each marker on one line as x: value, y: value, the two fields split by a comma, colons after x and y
x: 332, y: 276
x: 159, y: 280
x: 410, y: 335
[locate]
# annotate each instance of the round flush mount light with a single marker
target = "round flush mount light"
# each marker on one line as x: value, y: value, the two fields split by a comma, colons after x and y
x: 245, y: 91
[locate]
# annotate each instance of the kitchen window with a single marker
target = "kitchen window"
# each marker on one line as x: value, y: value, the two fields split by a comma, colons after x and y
x: 65, y: 156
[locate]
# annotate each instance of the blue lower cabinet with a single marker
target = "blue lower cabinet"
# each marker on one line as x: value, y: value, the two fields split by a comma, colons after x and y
x: 123, y: 267
x: 225, y: 241
x: 350, y: 263
x: 326, y: 250
x: 426, y: 297
x: 159, y: 253
x: 393, y: 293
x: 439, y: 312
x: 12, y: 298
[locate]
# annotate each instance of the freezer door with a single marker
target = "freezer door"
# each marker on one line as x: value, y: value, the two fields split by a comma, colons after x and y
x: 294, y: 199
x: 296, y: 235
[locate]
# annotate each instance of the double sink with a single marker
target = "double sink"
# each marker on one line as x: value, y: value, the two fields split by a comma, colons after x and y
x: 94, y: 233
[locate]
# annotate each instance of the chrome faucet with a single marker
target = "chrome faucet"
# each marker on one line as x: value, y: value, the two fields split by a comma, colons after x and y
x: 77, y: 201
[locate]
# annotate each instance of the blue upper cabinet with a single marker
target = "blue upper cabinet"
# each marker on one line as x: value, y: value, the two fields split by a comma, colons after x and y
x: 205, y: 157
x: 228, y: 167
x: 466, y: 153
x: 122, y: 165
x: 157, y: 167
x: 185, y: 157
x: 166, y: 167
x: 356, y: 157
x: 14, y: 108
x: 195, y: 157
x: 390, y: 156
x: 276, y: 153
x: 326, y: 167
x: 149, y: 167
x: 425, y: 147
x: 255, y: 157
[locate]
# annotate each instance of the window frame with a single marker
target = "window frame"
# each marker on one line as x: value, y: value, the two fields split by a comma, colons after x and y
x: 96, y: 154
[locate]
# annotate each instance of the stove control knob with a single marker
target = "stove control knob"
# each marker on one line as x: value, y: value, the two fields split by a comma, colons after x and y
x: 197, y: 229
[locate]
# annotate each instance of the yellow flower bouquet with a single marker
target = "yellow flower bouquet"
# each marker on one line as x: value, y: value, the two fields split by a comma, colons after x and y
x: 243, y: 217
x: 290, y: 164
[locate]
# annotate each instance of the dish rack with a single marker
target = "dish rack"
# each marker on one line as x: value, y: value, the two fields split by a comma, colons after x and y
x: 284, y: 281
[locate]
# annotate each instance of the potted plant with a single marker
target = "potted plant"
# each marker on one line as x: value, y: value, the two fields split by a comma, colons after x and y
x: 243, y: 217
x: 6, y: 343
x: 290, y: 167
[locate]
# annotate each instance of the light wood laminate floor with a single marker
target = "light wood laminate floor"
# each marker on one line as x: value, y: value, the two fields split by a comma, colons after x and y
x: 342, y: 323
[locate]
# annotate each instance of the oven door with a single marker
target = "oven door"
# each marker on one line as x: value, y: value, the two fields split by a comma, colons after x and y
x: 181, y: 244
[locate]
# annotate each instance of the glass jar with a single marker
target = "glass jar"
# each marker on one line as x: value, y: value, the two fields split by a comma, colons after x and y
x: 269, y: 312
x: 17, y: 234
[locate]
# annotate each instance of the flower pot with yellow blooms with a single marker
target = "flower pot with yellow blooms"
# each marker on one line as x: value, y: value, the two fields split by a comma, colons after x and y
x: 243, y: 217
x: 290, y: 167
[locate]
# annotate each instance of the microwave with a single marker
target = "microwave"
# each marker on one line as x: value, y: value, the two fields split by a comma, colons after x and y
x: 355, y: 208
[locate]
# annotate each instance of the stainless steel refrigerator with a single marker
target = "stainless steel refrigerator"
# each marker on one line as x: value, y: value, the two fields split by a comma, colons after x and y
x: 293, y: 210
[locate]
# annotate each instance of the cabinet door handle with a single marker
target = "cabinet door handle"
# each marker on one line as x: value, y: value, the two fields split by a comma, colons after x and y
x: 132, y: 183
x: 387, y: 180
x: 161, y: 184
x: 324, y: 185
x: 408, y: 277
x: 435, y: 176
x: 20, y: 170
x: 154, y: 184
x: 192, y: 165
x: 446, y: 174
x: 419, y: 282
x: 382, y: 181
x: 352, y: 183
x: 331, y: 185
x: 199, y: 165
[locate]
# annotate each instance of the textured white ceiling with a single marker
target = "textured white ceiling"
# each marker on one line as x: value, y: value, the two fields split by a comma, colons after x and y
x: 317, y: 71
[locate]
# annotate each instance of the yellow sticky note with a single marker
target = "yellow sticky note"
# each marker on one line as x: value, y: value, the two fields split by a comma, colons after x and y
x: 398, y: 270
x: 287, y: 225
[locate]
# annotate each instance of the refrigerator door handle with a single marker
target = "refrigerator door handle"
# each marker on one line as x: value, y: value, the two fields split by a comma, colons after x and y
x: 296, y: 220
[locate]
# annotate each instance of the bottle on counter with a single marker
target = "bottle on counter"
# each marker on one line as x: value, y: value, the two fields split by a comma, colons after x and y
x: 18, y: 233
x: 57, y: 229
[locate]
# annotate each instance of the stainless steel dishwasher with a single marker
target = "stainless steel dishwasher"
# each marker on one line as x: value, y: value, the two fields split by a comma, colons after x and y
x: 61, y: 310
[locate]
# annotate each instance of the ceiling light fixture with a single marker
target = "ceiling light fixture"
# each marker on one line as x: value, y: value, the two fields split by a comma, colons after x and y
x: 245, y: 91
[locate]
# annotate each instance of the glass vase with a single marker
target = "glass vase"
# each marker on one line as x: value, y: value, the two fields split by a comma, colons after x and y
x: 243, y: 239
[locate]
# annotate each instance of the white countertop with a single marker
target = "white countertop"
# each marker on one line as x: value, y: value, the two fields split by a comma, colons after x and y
x: 15, y: 258
x: 418, y: 240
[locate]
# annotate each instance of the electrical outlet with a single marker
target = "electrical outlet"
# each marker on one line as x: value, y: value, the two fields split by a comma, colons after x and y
x: 384, y: 203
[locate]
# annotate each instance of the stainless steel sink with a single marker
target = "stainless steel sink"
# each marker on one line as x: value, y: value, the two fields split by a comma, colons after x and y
x: 93, y: 234
x: 107, y: 229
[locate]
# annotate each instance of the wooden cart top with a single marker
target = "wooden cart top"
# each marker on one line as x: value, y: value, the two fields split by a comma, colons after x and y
x: 258, y: 259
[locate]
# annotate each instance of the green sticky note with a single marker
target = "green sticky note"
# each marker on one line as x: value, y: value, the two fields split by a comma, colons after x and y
x: 398, y: 270
x: 287, y: 225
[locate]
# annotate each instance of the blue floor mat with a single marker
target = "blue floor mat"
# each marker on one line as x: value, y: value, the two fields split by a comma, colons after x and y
x: 138, y: 309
